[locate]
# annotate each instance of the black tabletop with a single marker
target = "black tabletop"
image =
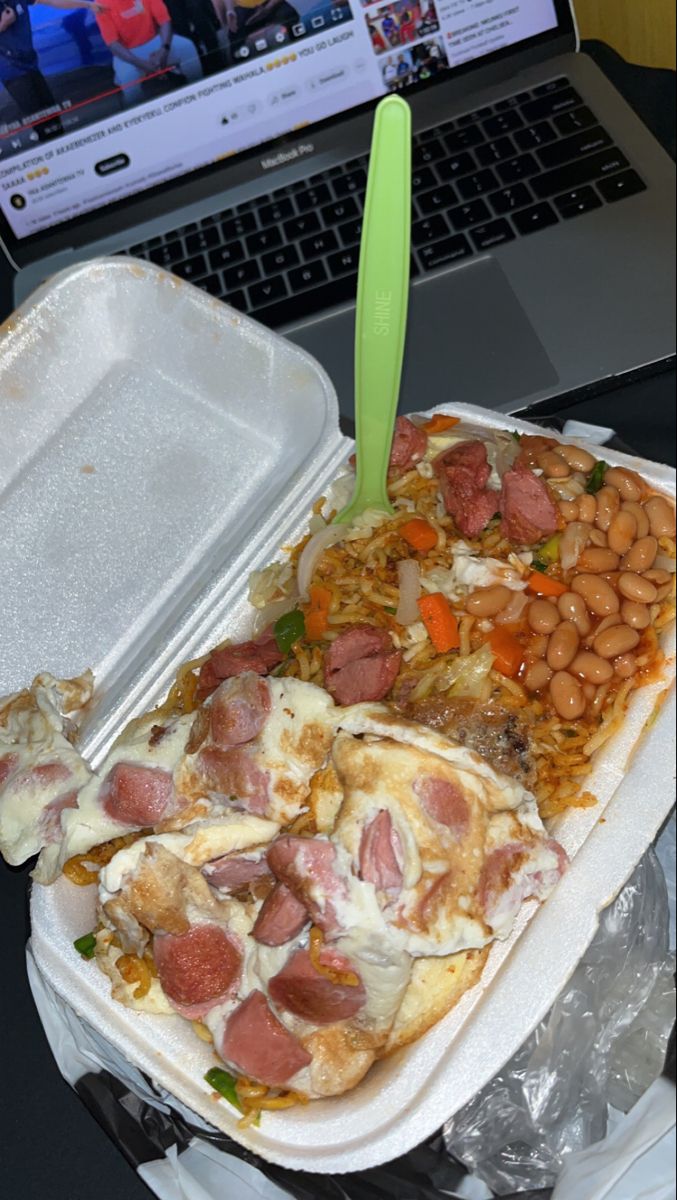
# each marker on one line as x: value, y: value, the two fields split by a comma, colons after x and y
x: 50, y: 1146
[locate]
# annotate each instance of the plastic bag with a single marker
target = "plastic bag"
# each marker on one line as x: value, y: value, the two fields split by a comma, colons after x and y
x: 605, y: 1037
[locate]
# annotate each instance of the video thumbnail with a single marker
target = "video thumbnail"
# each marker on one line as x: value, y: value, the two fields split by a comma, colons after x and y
x: 401, y: 23
x: 415, y: 65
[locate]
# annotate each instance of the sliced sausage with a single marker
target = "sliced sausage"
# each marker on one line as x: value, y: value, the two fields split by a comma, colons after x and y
x: 234, y: 774
x: 381, y: 854
x: 136, y: 795
x: 299, y: 989
x: 463, y: 472
x: 445, y: 803
x: 308, y: 867
x: 232, y: 872
x: 528, y: 510
x: 281, y: 918
x: 197, y: 969
x: 50, y: 817
x: 409, y: 445
x: 239, y: 709
x: 260, y: 655
x: 258, y: 1045
x: 362, y: 664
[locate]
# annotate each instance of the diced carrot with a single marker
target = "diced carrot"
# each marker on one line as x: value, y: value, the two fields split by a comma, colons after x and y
x: 507, y: 651
x: 545, y: 585
x: 439, y: 422
x: 439, y: 621
x: 317, y: 615
x: 419, y: 533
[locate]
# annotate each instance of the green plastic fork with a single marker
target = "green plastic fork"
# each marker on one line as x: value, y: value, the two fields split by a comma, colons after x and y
x: 382, y: 301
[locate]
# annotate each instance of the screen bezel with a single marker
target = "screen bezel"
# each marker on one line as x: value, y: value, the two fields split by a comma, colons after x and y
x: 207, y: 182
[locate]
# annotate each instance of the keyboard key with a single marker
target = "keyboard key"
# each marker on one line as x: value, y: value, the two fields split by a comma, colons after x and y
x: 212, y: 284
x: 620, y: 186
x: 464, y: 139
x: 311, y: 300
x: 422, y: 179
x: 142, y: 248
x: 539, y: 216
x: 319, y: 243
x: 495, y: 233
x: 509, y: 199
x: 313, y: 198
x: 436, y: 200
x: 436, y: 131
x: 478, y: 114
x: 553, y: 85
x: 298, y: 227
x: 237, y: 227
x: 429, y: 152
x: 280, y: 259
x: 503, y: 122
x: 192, y: 268
x: 310, y: 275
x: 167, y: 255
x: 225, y: 256
x: 449, y: 250
x: 512, y: 101
x: 279, y: 210
x: 535, y: 135
x: 577, y: 201
x: 344, y: 262
x: 477, y: 184
x: 204, y: 239
x: 547, y: 106
x: 574, y: 147
x: 235, y: 299
x: 267, y: 291
x: 496, y: 151
x: 472, y: 213
x: 572, y: 122
x: 585, y: 170
x: 264, y: 239
x: 350, y: 232
x: 428, y: 230
x: 354, y: 181
x: 458, y: 164
x: 514, y: 169
x: 340, y: 210
x: 238, y: 276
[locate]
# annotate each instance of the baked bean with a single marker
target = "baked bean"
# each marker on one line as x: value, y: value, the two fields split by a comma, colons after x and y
x: 537, y: 676
x: 587, y: 509
x: 598, y: 595
x: 622, y: 531
x: 553, y: 465
x: 563, y: 646
x: 641, y: 556
x: 579, y: 459
x: 637, y: 616
x: 608, y: 504
x: 572, y: 608
x: 661, y: 516
x: 615, y: 641
x: 567, y: 696
x: 633, y: 587
x: 591, y: 667
x: 589, y: 690
x: 598, y: 537
x: 663, y: 581
x: 625, y: 666
x: 488, y: 601
x: 639, y: 515
x: 543, y: 616
x: 568, y: 509
x: 598, y: 561
x: 628, y: 484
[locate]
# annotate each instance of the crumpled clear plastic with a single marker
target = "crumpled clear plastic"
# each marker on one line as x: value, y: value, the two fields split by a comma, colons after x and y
x: 603, y: 1042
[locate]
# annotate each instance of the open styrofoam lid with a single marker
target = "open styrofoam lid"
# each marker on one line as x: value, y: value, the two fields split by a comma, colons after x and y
x: 149, y: 435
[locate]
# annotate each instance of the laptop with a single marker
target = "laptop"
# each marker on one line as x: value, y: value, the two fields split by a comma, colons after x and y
x: 228, y: 142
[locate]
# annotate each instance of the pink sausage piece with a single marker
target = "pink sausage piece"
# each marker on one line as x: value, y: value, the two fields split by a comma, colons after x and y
x: 362, y: 664
x: 234, y: 774
x: 138, y: 796
x: 381, y: 854
x: 238, y: 710
x: 299, y: 989
x: 282, y: 917
x: 197, y: 969
x: 528, y: 509
x: 445, y: 803
x: 260, y: 1046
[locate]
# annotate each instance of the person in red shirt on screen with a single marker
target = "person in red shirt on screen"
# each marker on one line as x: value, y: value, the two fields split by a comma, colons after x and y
x: 139, y: 35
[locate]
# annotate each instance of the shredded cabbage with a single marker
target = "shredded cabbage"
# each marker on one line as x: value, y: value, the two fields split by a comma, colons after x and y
x: 470, y: 676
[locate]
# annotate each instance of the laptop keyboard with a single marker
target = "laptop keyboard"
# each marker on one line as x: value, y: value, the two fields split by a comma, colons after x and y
x: 505, y: 171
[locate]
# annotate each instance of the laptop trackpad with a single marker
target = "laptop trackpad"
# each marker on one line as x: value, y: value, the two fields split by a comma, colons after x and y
x: 468, y: 340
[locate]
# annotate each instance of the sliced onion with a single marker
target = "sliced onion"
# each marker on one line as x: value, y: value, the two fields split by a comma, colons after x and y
x: 572, y: 543
x: 513, y: 609
x: 409, y: 579
x: 507, y: 450
x: 329, y: 535
x: 663, y: 563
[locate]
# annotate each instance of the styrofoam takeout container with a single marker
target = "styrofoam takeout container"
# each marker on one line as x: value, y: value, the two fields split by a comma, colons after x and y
x: 156, y: 447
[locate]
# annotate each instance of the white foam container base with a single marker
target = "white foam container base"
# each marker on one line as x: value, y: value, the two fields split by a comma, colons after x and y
x: 233, y: 433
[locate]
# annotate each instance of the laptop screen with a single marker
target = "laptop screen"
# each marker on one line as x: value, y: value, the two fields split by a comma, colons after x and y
x: 103, y: 99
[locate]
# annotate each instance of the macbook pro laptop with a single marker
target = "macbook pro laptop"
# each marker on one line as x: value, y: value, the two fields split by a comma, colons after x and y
x: 229, y: 143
